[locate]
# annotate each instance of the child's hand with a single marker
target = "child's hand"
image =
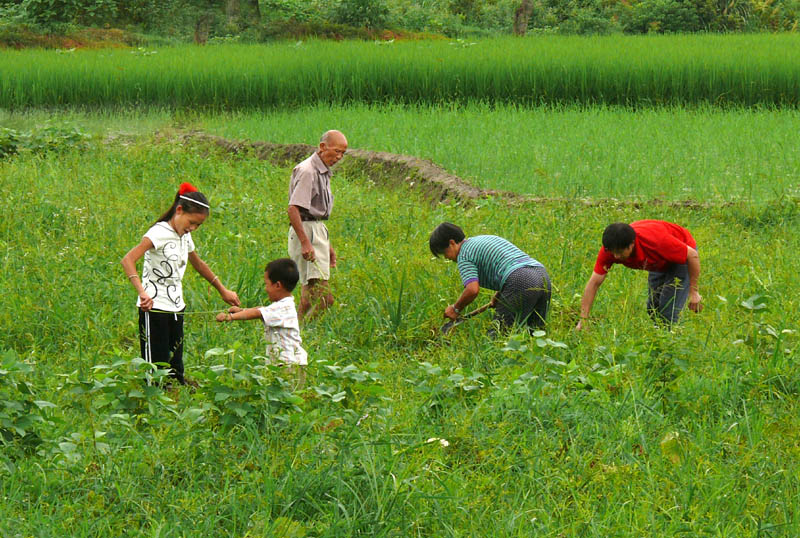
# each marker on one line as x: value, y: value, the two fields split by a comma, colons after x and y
x: 230, y: 297
x: 145, y: 302
x: 235, y: 309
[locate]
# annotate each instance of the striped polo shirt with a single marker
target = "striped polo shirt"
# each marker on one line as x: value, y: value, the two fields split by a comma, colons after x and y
x: 489, y: 260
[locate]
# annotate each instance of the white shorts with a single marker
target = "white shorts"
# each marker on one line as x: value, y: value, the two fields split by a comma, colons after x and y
x: 319, y: 269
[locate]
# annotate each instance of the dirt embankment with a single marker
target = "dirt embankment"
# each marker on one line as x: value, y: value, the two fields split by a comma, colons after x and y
x: 22, y: 37
x: 390, y: 168
x: 378, y: 166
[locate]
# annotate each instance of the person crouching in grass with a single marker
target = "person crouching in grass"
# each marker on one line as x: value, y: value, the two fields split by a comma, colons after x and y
x: 522, y: 283
x: 666, y: 250
x: 281, y: 328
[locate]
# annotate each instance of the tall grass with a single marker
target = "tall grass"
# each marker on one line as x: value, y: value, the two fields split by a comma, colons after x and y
x: 629, y: 430
x: 628, y: 70
x: 702, y: 154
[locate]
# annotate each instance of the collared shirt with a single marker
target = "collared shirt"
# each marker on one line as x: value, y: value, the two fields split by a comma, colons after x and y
x: 310, y: 189
x: 489, y: 260
x: 657, y: 245
x: 164, y: 266
x: 282, y: 332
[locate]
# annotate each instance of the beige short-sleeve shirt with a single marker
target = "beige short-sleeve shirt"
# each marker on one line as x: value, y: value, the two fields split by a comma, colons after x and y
x: 310, y: 189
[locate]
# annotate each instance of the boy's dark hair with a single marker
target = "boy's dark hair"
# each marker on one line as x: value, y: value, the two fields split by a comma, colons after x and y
x: 283, y: 270
x: 618, y: 236
x: 441, y: 236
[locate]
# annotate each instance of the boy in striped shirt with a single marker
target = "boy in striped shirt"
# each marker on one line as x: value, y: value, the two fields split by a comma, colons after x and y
x: 488, y: 261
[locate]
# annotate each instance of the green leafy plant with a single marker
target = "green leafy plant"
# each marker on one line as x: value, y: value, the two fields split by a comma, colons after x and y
x: 349, y: 384
x: 252, y: 394
x: 9, y: 142
x: 21, y: 413
x: 123, y: 389
x: 367, y: 13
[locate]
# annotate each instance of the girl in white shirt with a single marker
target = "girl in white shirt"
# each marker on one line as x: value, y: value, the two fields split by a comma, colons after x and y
x: 166, y: 247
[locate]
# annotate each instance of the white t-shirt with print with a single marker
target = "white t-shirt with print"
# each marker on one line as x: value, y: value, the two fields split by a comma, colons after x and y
x: 164, y: 266
x: 282, y: 332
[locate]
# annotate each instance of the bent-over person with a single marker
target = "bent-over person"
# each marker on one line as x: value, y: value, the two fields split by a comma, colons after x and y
x: 666, y: 250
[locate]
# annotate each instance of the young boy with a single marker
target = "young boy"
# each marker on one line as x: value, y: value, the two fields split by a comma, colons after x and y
x: 522, y: 284
x: 666, y: 250
x: 281, y: 328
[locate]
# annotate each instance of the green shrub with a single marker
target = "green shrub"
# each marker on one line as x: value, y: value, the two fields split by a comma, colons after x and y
x: 20, y: 412
x: 9, y: 142
x: 587, y: 21
x: 46, y: 139
x: 660, y: 16
x: 367, y: 13
x: 295, y: 10
x: 48, y: 12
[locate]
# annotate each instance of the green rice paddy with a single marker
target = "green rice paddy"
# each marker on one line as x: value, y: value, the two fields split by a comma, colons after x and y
x: 743, y: 70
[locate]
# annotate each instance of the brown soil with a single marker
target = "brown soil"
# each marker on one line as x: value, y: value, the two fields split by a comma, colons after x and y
x: 22, y: 37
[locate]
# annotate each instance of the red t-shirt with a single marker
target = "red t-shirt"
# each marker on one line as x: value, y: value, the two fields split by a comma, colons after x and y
x: 658, y: 243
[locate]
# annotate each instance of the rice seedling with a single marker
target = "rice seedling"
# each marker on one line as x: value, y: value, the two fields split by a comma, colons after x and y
x: 642, y: 71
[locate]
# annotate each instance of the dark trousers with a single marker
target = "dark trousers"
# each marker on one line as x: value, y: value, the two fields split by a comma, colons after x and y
x: 667, y: 293
x: 525, y: 298
x: 161, y: 339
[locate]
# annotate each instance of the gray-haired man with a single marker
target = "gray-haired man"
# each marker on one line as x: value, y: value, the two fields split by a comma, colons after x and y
x: 310, y: 203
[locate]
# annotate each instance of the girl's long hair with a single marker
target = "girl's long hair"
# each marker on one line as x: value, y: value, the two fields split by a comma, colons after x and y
x: 196, y: 202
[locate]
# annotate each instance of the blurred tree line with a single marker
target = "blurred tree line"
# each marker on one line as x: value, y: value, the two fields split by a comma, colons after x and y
x: 265, y: 19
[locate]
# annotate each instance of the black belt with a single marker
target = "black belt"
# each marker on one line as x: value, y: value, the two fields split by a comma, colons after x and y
x: 311, y: 219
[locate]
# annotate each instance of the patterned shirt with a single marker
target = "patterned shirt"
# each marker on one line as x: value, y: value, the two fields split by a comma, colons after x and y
x: 164, y: 266
x: 489, y: 260
x: 282, y: 332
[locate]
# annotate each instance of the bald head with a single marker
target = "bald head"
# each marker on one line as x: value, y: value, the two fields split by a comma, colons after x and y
x: 332, y: 147
x: 332, y: 137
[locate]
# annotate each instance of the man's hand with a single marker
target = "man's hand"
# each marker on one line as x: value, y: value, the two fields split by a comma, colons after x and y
x: 332, y: 258
x: 308, y: 251
x: 450, y: 312
x: 695, y: 304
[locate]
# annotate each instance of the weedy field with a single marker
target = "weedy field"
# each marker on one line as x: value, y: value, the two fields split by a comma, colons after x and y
x: 623, y: 430
x: 738, y: 70
x: 698, y: 155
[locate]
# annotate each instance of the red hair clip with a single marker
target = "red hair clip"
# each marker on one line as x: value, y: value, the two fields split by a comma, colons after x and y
x: 186, y: 187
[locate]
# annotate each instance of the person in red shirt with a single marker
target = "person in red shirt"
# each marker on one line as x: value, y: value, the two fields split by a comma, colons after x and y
x: 666, y: 250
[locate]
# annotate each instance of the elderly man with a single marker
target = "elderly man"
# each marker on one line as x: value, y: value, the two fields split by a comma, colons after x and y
x: 310, y: 203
